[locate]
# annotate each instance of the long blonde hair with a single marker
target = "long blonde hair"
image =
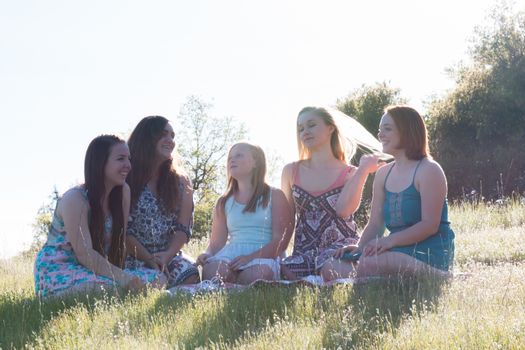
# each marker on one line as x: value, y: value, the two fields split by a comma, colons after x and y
x: 261, y: 188
x: 337, y: 143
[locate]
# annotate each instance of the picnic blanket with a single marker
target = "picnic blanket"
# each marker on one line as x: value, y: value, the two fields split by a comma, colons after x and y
x: 216, y: 284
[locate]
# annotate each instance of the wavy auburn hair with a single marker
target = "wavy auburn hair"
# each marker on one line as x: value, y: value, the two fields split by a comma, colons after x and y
x: 95, y: 162
x: 143, y: 147
x: 412, y: 131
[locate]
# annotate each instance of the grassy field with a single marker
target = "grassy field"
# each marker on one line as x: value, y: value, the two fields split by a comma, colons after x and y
x: 483, y: 309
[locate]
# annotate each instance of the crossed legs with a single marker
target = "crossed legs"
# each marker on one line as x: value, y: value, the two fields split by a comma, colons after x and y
x: 246, y: 276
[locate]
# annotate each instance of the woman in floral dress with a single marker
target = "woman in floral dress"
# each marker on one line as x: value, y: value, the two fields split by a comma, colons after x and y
x: 85, y: 248
x: 161, y: 202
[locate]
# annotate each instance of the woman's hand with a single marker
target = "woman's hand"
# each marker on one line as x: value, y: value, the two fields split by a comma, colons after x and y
x: 164, y: 259
x: 202, y: 259
x: 378, y: 246
x: 239, y: 261
x: 369, y: 163
x: 154, y: 263
x: 134, y: 284
x: 349, y: 248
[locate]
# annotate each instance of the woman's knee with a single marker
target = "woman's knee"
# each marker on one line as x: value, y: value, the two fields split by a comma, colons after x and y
x: 335, y: 268
x: 216, y: 269
x: 160, y: 282
x: 255, y: 273
x: 267, y: 273
x: 368, y: 266
x: 209, y: 270
x: 287, y: 273
x: 327, y: 271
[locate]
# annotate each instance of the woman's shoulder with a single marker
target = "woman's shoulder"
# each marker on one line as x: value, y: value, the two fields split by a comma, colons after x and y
x: 185, y: 181
x: 289, y: 172
x: 289, y: 168
x: 383, y: 170
x: 430, y: 174
x: 429, y: 165
x: 74, y: 194
x: 274, y: 191
x: 75, y: 197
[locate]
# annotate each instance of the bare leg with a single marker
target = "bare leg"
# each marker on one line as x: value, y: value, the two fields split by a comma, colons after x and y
x: 218, y: 269
x: 191, y: 280
x: 159, y: 282
x: 395, y: 264
x: 336, y: 268
x: 254, y: 273
x: 287, y: 274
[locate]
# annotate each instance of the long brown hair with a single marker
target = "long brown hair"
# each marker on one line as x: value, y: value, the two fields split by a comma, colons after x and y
x: 142, y: 146
x: 412, y: 131
x: 94, y: 164
x: 261, y: 188
x: 336, y: 141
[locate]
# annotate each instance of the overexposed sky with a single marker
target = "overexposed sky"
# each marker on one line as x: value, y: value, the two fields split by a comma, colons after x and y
x: 71, y: 70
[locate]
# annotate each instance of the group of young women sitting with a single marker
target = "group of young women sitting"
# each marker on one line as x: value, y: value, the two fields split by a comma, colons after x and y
x: 125, y: 227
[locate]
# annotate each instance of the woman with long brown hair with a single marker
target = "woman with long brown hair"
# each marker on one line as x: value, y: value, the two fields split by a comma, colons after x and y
x: 85, y: 248
x: 161, y: 204
x: 250, y: 223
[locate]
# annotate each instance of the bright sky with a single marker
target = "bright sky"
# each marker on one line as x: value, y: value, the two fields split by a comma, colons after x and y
x: 71, y: 70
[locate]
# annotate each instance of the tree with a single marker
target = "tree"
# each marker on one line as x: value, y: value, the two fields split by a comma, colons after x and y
x: 203, y: 142
x: 367, y: 103
x: 477, y: 129
x: 42, y: 222
x: 274, y: 166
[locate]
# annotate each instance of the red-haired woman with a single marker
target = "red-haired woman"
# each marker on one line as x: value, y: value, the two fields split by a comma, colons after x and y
x: 409, y: 198
x: 161, y: 204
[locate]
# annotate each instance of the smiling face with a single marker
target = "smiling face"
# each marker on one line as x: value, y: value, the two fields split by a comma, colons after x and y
x: 313, y: 131
x: 166, y: 143
x: 389, y: 135
x: 240, y: 161
x: 118, y: 165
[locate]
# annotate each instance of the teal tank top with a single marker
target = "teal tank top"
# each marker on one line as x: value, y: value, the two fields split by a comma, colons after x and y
x: 248, y: 227
x: 403, y: 209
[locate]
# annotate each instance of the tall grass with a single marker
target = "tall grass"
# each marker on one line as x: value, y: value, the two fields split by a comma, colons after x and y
x: 482, y: 310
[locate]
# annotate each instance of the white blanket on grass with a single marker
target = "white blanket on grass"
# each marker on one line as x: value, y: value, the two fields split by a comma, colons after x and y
x: 217, y: 285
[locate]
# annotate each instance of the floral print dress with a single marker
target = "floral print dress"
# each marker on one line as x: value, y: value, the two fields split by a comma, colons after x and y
x: 57, y: 269
x: 153, y: 227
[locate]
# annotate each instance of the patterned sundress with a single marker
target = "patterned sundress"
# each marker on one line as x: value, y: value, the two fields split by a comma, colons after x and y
x: 57, y: 269
x: 153, y: 227
x: 319, y: 231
